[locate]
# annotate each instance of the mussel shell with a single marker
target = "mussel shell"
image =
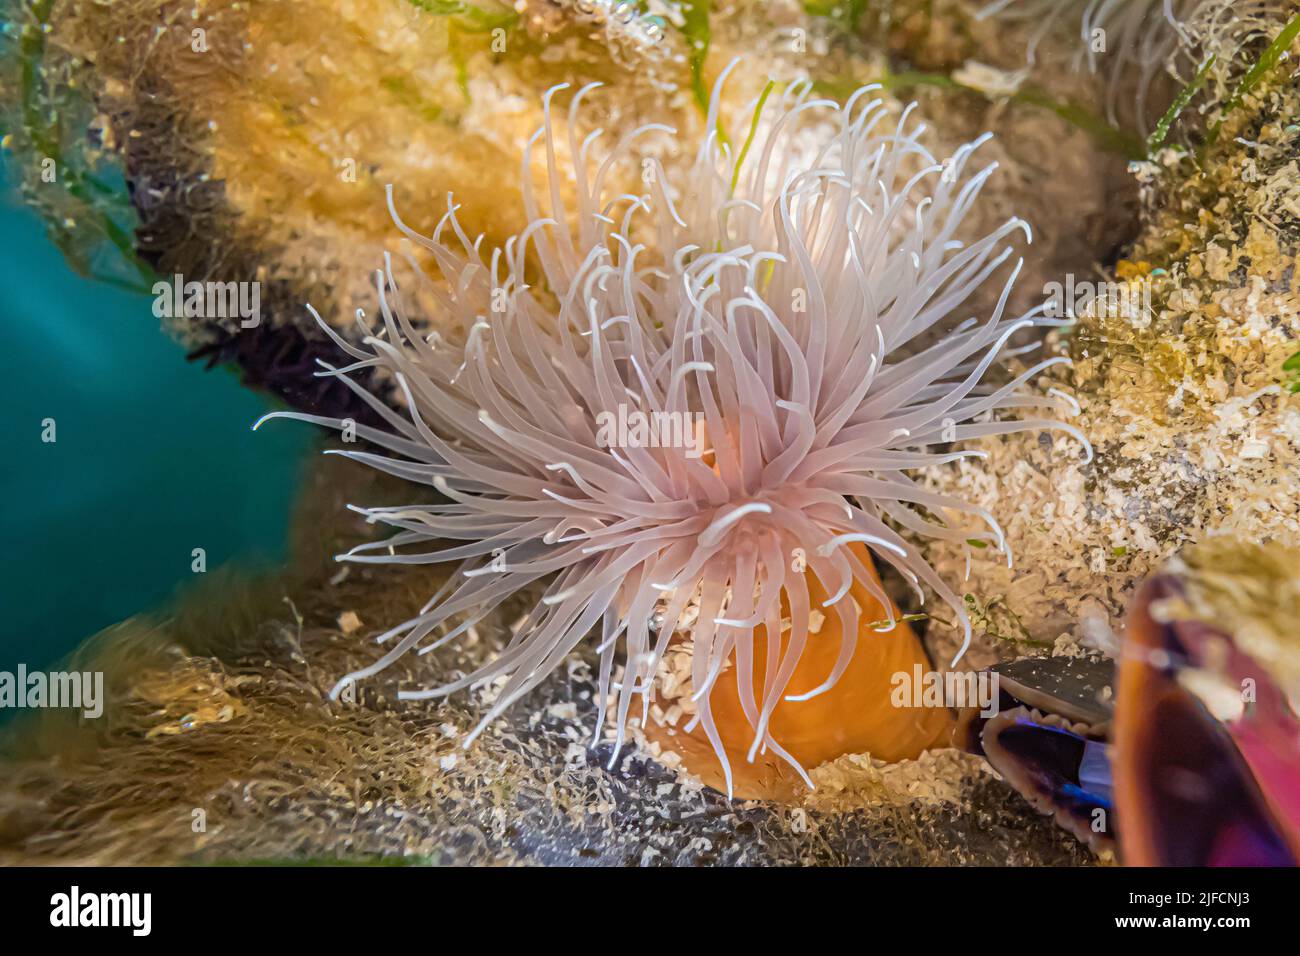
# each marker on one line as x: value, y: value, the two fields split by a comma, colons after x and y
x: 1185, y: 793
x: 1050, y: 710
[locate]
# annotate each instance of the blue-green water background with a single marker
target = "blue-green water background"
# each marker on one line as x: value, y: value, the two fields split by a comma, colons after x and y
x: 154, y: 456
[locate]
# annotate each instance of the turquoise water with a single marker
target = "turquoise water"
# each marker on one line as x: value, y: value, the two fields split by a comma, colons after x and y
x: 153, y: 457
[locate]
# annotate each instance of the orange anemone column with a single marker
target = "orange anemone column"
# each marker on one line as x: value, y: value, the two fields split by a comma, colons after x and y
x: 854, y: 716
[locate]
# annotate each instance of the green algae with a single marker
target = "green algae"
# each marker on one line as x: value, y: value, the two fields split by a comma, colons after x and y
x: 82, y: 210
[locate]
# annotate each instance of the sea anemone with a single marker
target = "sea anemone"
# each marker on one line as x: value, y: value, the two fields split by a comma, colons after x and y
x: 1130, y: 36
x: 1128, y: 22
x: 1138, y: 39
x: 804, y: 321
